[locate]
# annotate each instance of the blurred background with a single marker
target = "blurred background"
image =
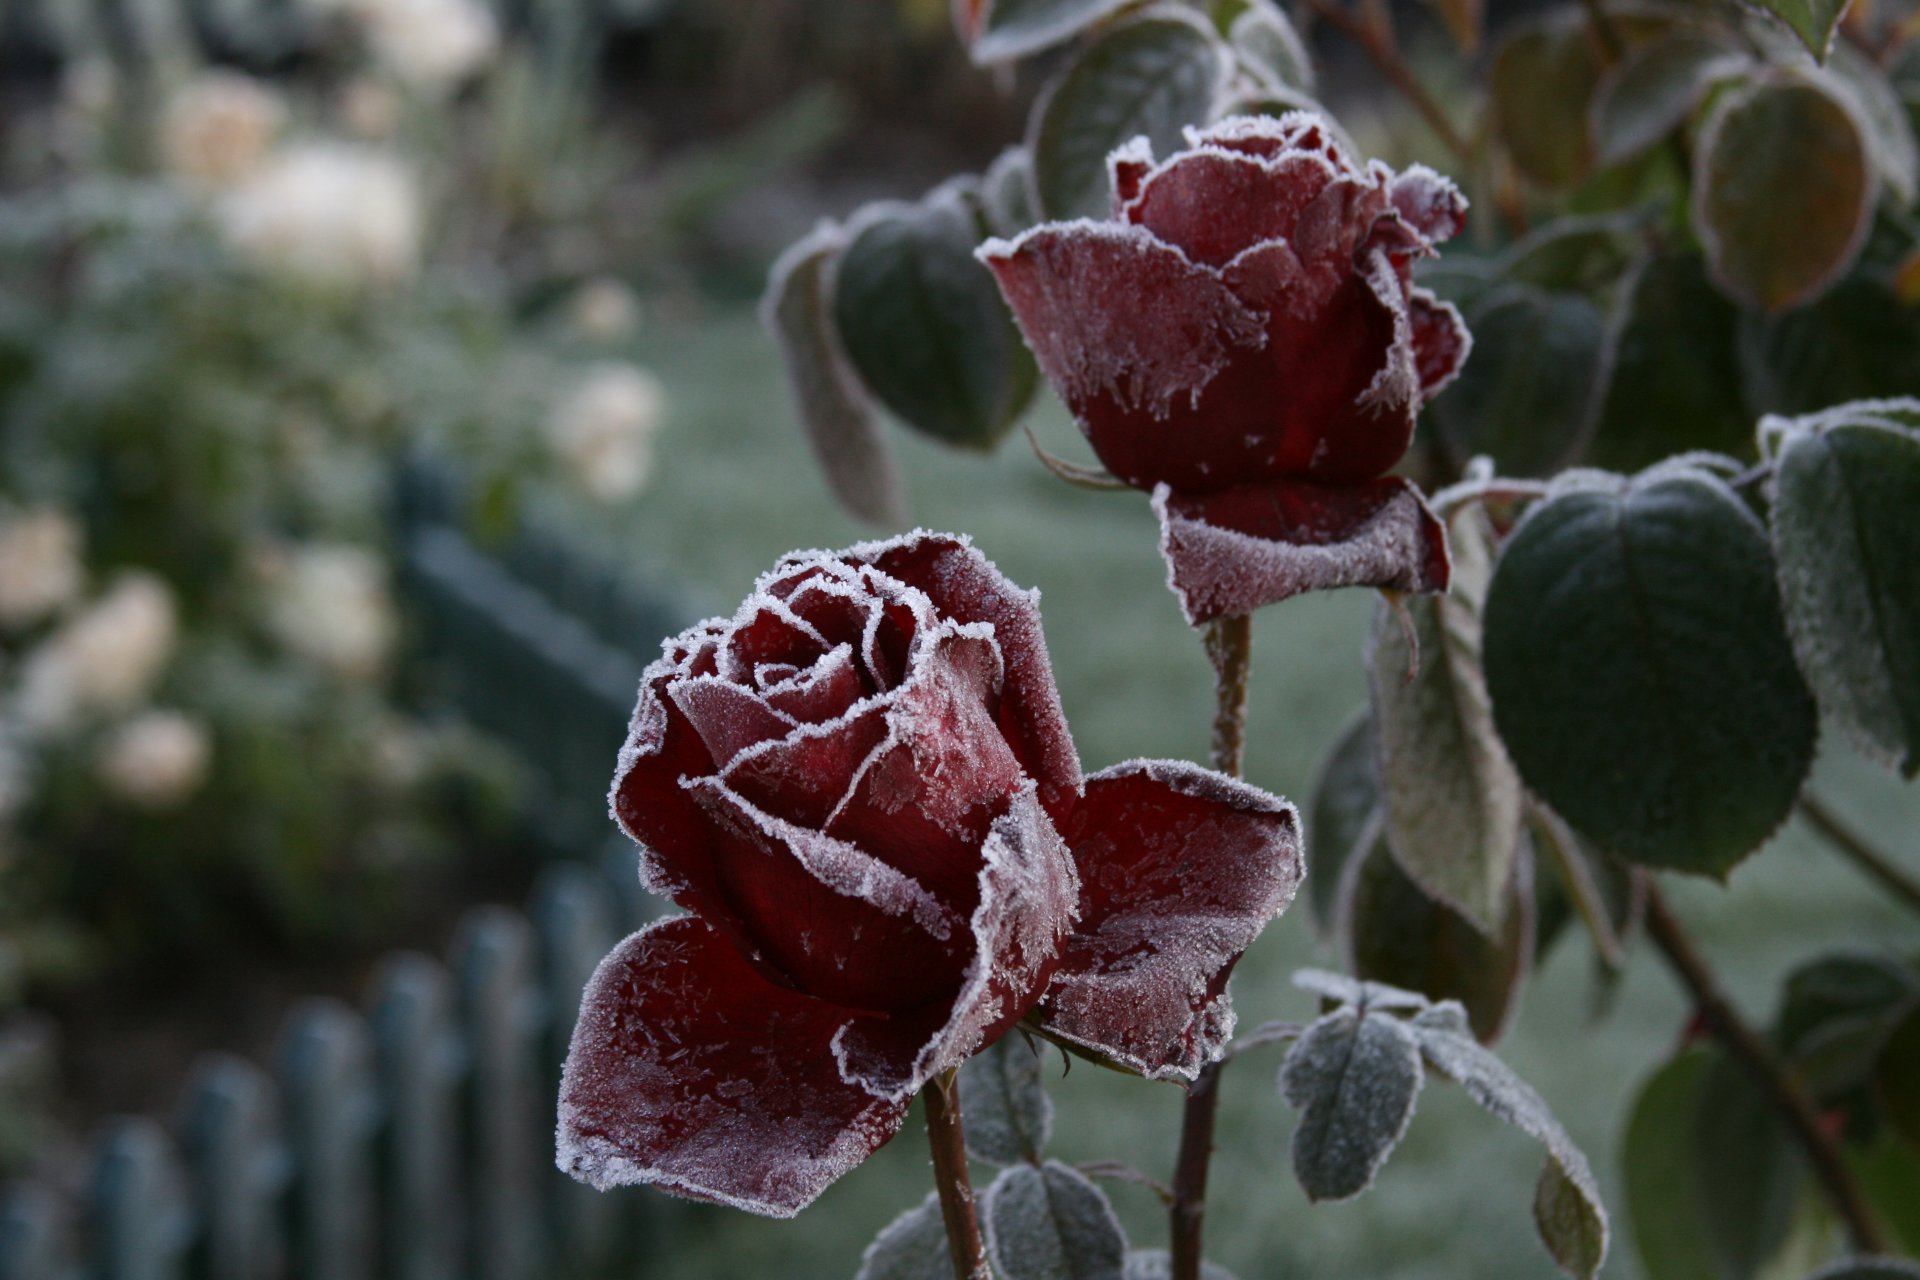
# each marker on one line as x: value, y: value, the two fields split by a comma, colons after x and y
x: 379, y: 383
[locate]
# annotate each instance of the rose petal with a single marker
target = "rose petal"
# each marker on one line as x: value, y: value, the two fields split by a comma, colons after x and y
x: 1127, y: 167
x: 807, y: 775
x: 771, y: 633
x: 827, y: 917
x: 1429, y: 203
x: 1396, y: 383
x: 728, y: 717
x: 691, y: 1072
x: 1229, y: 553
x: 1180, y: 869
x: 926, y: 798
x: 1212, y: 204
x: 964, y: 584
x: 1441, y: 341
x: 1027, y: 895
x: 820, y: 693
x: 1270, y: 136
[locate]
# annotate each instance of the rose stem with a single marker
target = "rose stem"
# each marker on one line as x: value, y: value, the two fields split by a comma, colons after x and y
x: 1724, y: 1023
x: 1379, y: 46
x: 1230, y: 649
x: 1852, y: 845
x: 949, y: 1144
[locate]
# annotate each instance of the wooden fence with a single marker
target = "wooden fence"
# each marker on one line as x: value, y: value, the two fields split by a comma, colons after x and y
x: 409, y: 1139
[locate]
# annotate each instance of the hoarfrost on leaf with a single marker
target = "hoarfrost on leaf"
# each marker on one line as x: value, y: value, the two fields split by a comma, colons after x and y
x: 1354, y: 1076
x: 1048, y: 1222
x: 1009, y: 1116
x: 911, y: 1247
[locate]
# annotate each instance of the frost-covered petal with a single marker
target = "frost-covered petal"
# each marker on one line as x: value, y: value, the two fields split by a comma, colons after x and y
x: 1441, y: 341
x: 964, y: 584
x: 1229, y: 553
x: 1212, y: 204
x: 1028, y: 894
x: 826, y: 916
x: 1127, y: 167
x: 1270, y: 136
x: 691, y: 1072
x: 1180, y: 869
x: 1428, y: 203
x: 769, y: 634
x: 807, y: 774
x: 728, y: 717
x: 822, y: 692
x: 1128, y: 329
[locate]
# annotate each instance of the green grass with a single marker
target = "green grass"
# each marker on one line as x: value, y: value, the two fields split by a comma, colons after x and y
x: 737, y: 486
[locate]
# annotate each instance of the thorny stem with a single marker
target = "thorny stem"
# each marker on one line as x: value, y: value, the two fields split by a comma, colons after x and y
x: 1229, y: 643
x: 1854, y: 846
x: 1724, y: 1023
x: 1378, y: 45
x: 948, y: 1141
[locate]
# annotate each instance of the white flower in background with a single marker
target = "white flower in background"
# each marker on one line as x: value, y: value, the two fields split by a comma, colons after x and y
x: 370, y: 109
x: 106, y: 659
x: 328, y: 603
x: 219, y: 126
x: 333, y: 212
x: 602, y: 431
x: 156, y: 759
x: 604, y: 310
x: 40, y: 568
x: 431, y: 45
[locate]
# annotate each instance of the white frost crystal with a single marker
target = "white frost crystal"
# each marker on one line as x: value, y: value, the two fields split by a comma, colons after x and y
x: 332, y: 212
x: 155, y: 760
x: 328, y: 603
x: 40, y: 568
x: 219, y: 126
x: 602, y: 431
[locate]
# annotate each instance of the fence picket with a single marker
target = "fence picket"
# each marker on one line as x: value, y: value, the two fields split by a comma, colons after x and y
x: 418, y: 1066
x: 34, y: 1241
x: 325, y: 1083
x: 498, y: 1011
x: 136, y: 1222
x: 229, y: 1134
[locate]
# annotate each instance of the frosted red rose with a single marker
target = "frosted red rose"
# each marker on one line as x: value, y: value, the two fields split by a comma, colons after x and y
x: 1243, y: 339
x: 863, y: 790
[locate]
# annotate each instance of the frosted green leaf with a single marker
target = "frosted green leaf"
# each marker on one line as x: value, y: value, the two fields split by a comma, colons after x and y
x: 1050, y: 1223
x: 1344, y: 817
x: 1008, y: 1114
x: 1157, y: 1264
x: 1016, y: 28
x: 1354, y: 1076
x: 911, y: 1247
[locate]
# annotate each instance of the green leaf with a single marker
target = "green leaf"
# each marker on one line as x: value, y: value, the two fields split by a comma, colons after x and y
x: 1008, y: 1114
x: 1640, y: 670
x: 1151, y: 76
x: 1354, y: 1076
x: 911, y: 1247
x: 1869, y: 1269
x: 1896, y: 154
x: 1529, y: 396
x: 1747, y: 1172
x: 1653, y: 90
x: 1580, y: 881
x: 1452, y: 799
x: 1157, y: 1264
x: 1016, y: 28
x: 1676, y: 378
x: 1783, y: 191
x: 1889, y: 1175
x: 1401, y: 937
x: 1006, y: 193
x: 1050, y: 1223
x: 1567, y: 1208
x: 1344, y: 816
x: 1264, y: 39
x: 1855, y: 342
x: 1848, y: 545
x: 834, y: 407
x: 1896, y: 1080
x: 1813, y: 21
x: 1581, y: 254
x: 1662, y: 1194
x: 1835, y: 1015
x: 1542, y: 81
x: 924, y: 324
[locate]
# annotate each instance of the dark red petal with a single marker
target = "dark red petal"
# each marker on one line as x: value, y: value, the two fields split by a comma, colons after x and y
x: 807, y: 774
x: 1027, y: 893
x: 690, y: 1072
x: 821, y: 692
x: 1342, y: 218
x: 1213, y: 204
x: 1270, y: 136
x: 728, y: 717
x: 827, y: 917
x: 1428, y: 203
x: 1127, y: 167
x: 1180, y: 869
x: 926, y: 798
x: 965, y: 585
x: 1130, y: 332
x: 772, y: 635
x: 1229, y: 553
x: 1441, y: 342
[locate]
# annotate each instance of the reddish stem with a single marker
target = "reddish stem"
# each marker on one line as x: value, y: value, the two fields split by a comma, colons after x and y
x: 948, y: 1141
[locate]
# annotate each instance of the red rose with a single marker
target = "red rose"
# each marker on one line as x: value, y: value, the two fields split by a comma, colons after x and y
x: 1243, y: 340
x: 864, y: 792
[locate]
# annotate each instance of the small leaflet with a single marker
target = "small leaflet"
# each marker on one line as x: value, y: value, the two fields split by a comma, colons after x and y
x: 1049, y: 1222
x: 911, y: 1247
x: 1567, y: 1207
x: 1354, y: 1076
x: 1009, y: 1116
x: 1157, y: 1264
